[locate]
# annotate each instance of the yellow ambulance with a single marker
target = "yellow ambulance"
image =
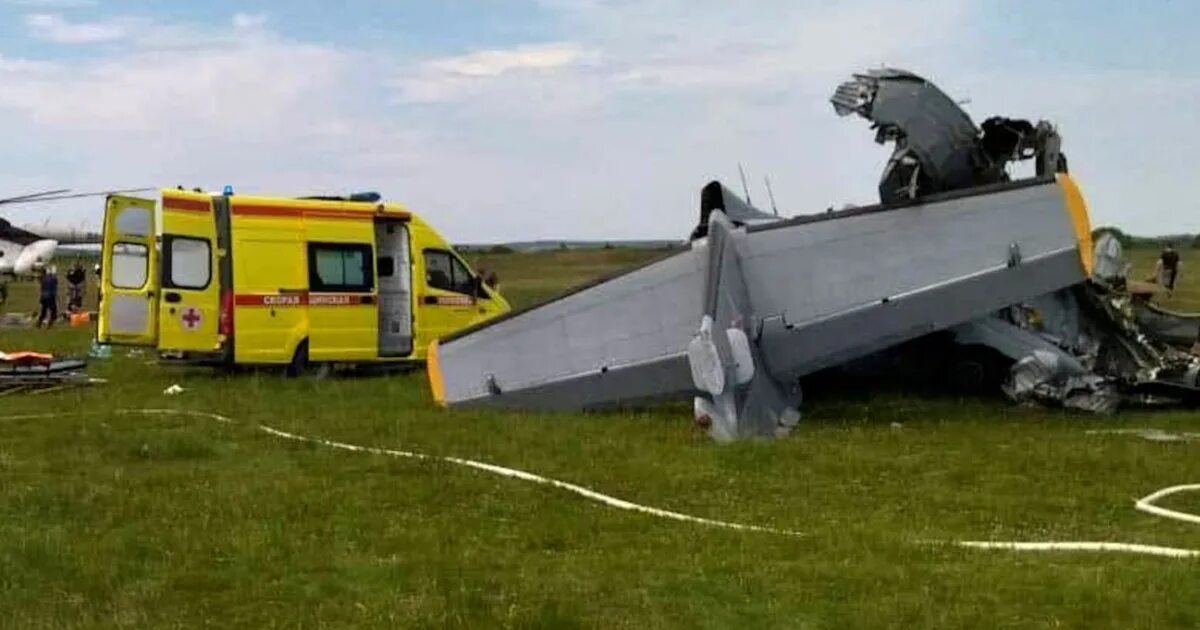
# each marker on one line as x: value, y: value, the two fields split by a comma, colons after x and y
x: 225, y: 279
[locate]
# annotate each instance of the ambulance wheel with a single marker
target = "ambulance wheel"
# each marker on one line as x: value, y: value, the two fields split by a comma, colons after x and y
x: 299, y: 364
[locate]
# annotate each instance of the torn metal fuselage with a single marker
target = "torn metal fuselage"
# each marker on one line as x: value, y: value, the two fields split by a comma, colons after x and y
x: 937, y: 146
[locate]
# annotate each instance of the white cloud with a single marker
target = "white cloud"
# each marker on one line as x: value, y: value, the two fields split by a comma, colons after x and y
x: 493, y: 63
x: 248, y: 20
x: 55, y: 28
x: 138, y: 32
x: 448, y: 78
x: 9, y: 65
x: 223, y: 87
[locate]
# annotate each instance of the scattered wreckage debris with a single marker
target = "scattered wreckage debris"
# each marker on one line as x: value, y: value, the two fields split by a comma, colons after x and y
x: 1099, y: 345
x: 1094, y: 347
x: 35, y: 372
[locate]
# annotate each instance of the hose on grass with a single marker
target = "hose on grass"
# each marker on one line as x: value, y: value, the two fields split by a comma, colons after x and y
x: 512, y: 473
x: 1145, y: 504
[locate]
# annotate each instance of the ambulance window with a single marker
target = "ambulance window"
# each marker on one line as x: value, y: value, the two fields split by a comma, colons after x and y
x: 129, y: 264
x: 340, y: 267
x: 444, y: 271
x: 188, y: 262
x: 134, y: 220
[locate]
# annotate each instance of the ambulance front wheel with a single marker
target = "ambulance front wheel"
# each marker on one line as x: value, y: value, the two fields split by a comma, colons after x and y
x: 299, y: 364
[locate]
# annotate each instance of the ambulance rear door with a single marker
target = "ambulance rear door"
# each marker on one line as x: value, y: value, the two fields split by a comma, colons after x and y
x: 191, y: 279
x: 128, y: 273
x: 393, y: 268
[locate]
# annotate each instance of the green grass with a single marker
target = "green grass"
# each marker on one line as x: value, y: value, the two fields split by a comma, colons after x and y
x: 530, y: 278
x: 110, y: 520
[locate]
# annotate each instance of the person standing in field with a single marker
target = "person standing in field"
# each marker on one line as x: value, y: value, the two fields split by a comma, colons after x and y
x: 48, y: 298
x: 1166, y: 270
x: 99, y: 284
x: 75, y: 279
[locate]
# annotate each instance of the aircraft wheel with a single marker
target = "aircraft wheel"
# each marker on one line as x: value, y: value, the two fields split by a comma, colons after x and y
x: 977, y: 370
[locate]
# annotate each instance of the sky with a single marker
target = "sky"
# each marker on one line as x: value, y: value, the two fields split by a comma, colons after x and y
x: 573, y: 119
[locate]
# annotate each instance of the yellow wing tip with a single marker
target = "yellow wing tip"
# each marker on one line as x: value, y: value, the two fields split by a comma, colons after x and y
x: 434, y: 369
x: 1077, y: 210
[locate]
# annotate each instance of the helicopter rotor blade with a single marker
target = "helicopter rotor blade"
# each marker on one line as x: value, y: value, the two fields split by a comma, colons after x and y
x: 32, y: 196
x: 56, y: 197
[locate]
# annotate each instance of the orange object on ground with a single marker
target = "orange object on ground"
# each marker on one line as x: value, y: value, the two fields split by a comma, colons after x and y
x: 80, y: 319
x: 26, y: 357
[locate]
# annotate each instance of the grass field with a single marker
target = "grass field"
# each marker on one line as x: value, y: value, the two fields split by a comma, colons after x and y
x: 112, y: 520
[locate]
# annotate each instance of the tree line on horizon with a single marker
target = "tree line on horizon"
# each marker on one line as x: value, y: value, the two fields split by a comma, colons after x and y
x: 1130, y: 240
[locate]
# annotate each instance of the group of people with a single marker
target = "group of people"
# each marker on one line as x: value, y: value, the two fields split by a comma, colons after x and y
x: 48, y: 293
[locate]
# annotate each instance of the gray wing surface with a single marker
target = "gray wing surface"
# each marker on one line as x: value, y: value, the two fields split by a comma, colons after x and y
x: 619, y: 341
x: 821, y: 290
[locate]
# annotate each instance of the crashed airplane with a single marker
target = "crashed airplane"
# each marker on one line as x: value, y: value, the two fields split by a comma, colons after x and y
x: 955, y: 251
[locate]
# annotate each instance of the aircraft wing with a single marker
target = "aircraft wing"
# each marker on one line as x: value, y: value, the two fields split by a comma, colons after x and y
x: 820, y: 290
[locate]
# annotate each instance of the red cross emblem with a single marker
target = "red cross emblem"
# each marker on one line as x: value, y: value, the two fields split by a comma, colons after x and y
x: 191, y: 318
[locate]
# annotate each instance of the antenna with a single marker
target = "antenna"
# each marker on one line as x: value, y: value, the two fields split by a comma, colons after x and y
x: 771, y: 194
x: 744, y: 186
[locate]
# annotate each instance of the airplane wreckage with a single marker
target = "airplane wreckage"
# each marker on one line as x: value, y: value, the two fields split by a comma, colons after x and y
x: 991, y: 276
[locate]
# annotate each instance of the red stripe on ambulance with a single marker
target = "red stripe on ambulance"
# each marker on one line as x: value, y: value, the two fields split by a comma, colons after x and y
x: 448, y: 300
x: 267, y: 211
x: 317, y: 213
x: 300, y: 299
x: 190, y: 205
x: 331, y: 299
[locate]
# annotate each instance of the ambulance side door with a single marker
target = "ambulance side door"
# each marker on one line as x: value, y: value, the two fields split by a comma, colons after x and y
x: 343, y: 317
x: 269, y: 284
x: 129, y: 273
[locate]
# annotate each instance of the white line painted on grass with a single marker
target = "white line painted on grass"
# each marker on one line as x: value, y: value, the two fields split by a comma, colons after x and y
x: 1145, y: 504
